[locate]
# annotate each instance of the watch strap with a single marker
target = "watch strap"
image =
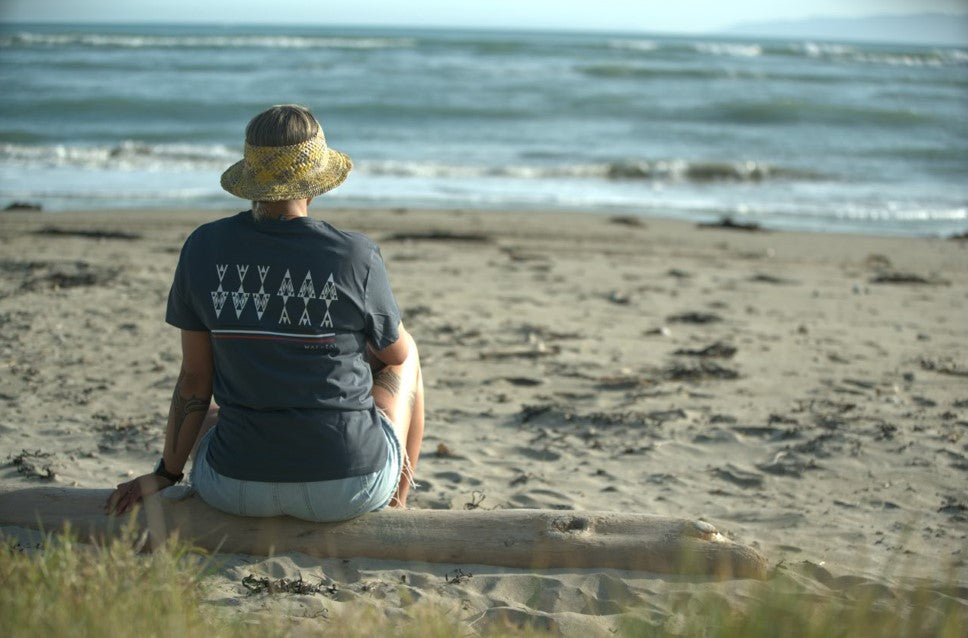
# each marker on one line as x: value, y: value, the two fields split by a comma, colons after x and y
x: 162, y: 471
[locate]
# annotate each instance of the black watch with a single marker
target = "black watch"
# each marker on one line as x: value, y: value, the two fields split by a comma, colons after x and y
x: 161, y: 471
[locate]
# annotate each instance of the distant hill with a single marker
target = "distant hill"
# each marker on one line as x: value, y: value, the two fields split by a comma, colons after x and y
x: 921, y: 28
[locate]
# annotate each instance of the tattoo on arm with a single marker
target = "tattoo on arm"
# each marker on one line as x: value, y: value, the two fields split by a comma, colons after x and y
x: 181, y: 407
x: 388, y: 380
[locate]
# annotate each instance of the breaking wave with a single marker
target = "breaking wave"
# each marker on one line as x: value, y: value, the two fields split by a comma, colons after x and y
x: 123, y: 41
x: 132, y: 155
x: 128, y: 155
x: 622, y: 170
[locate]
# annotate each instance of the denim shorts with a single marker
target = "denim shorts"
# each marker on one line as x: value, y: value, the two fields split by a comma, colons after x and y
x: 316, y: 501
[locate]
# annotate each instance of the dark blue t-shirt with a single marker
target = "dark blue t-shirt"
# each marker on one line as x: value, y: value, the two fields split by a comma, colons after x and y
x: 290, y: 306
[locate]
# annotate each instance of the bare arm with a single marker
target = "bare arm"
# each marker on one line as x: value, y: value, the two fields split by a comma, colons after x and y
x: 189, y: 404
x: 190, y: 399
x: 395, y: 353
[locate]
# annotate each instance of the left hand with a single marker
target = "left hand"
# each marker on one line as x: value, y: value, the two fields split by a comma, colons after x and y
x: 127, y: 495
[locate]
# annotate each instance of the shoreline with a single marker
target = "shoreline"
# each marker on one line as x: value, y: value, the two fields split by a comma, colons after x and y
x: 803, y: 392
x: 644, y: 215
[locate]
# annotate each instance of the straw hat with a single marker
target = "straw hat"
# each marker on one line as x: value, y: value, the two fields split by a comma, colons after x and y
x: 276, y: 173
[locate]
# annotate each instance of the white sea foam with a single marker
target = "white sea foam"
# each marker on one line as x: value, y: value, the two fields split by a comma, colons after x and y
x: 840, y: 52
x: 730, y: 49
x: 621, y: 170
x: 202, y: 41
x: 126, y: 156
x: 635, y: 45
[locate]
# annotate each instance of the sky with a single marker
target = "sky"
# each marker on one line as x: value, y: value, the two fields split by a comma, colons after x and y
x: 659, y: 16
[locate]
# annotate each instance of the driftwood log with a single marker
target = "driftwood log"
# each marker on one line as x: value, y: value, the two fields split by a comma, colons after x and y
x: 512, y: 537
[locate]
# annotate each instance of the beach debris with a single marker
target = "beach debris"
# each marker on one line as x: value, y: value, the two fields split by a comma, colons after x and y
x: 762, y: 278
x: 23, y: 206
x: 738, y: 476
x: 443, y: 450
x: 32, y: 465
x: 53, y: 231
x: 905, y: 278
x: 944, y: 366
x: 697, y: 371
x: 728, y: 223
x: 440, y: 235
x: 717, y: 350
x: 55, y: 275
x: 457, y: 576
x: 265, y: 585
x: 678, y: 274
x: 959, y: 236
x: 954, y: 506
x: 627, y: 220
x: 620, y: 298
x: 621, y: 382
x: 694, y: 317
x: 661, y: 331
x: 526, y: 382
x: 477, y: 497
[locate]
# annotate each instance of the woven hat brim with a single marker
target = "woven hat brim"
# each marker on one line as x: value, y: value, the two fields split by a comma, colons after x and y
x: 333, y: 172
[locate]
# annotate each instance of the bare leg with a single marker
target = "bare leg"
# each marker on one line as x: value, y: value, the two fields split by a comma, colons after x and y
x: 398, y: 391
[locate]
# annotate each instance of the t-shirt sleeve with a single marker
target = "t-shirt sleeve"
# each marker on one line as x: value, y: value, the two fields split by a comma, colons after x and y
x: 181, y: 313
x: 380, y: 307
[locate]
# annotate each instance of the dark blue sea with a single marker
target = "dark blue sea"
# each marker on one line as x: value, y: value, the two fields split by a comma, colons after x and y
x: 831, y: 136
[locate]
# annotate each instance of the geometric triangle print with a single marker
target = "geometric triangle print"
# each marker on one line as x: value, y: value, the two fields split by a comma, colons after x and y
x: 329, y: 291
x: 261, y: 300
x: 304, y: 320
x: 239, y: 300
x: 306, y: 291
x: 286, y: 289
x: 218, y: 300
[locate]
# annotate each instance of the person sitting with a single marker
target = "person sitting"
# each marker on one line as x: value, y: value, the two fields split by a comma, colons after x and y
x: 290, y: 324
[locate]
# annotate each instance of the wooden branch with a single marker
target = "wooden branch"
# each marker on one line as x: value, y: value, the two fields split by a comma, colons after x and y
x: 512, y: 538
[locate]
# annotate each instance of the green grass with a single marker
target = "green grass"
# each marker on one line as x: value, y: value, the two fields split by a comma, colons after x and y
x: 67, y: 588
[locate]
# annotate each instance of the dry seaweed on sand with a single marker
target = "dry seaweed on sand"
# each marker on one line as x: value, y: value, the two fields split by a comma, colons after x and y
x: 694, y: 317
x: 22, y: 207
x: 264, y: 585
x: 440, y: 235
x: 627, y: 220
x: 728, y: 223
x: 53, y: 231
x: 943, y: 366
x: 718, y: 350
x: 34, y: 464
x: 698, y: 371
x: 908, y: 278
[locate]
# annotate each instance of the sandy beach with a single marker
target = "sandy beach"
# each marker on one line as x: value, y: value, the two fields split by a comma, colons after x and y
x: 805, y: 393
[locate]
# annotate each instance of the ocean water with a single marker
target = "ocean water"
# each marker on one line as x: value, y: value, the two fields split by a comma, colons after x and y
x: 791, y: 134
